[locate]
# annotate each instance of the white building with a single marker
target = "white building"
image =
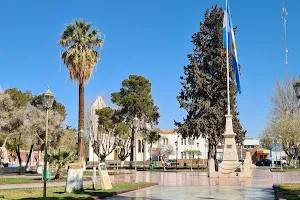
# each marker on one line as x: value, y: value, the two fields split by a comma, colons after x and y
x: 141, y: 154
x: 98, y: 104
x: 169, y: 137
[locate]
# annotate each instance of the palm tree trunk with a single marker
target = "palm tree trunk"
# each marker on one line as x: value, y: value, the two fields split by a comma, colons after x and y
x: 58, y: 173
x: 81, y: 150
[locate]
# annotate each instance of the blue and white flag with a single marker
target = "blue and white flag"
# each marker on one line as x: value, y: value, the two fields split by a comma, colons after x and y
x: 228, y: 29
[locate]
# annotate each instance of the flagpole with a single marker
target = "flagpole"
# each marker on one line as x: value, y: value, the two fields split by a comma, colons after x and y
x: 227, y: 61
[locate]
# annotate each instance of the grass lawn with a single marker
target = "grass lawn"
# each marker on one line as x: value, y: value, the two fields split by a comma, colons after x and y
x: 58, y: 192
x: 12, y: 180
x: 288, y: 169
x: 6, y: 180
x: 291, y: 191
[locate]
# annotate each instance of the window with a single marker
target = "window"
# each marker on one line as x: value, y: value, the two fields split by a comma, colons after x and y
x: 248, y: 146
x: 263, y: 156
x: 164, y: 141
x: 181, y: 155
x: 185, y: 141
x: 181, y: 141
x: 167, y: 141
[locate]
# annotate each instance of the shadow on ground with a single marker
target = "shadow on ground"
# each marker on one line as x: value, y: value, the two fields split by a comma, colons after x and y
x: 76, y: 195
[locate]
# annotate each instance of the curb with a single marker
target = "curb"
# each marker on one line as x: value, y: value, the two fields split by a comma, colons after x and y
x: 110, y: 194
x: 278, y: 193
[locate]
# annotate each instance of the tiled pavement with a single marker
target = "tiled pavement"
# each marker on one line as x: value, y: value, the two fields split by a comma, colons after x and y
x: 193, y: 185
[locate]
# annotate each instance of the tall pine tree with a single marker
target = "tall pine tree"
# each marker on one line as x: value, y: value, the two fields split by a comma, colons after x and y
x: 204, y: 86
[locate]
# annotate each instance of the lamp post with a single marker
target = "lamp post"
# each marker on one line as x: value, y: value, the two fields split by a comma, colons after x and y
x: 275, y: 147
x: 198, y: 153
x: 205, y: 155
x: 117, y: 159
x: 135, y: 125
x: 48, y: 99
x: 176, y: 145
x: 191, y: 153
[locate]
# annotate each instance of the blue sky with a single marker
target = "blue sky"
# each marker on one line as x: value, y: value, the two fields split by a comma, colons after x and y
x: 149, y: 38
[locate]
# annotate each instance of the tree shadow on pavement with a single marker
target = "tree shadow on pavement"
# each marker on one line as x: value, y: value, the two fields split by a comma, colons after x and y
x: 75, y: 195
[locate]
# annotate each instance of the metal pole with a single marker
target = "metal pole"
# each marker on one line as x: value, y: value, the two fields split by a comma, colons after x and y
x: 205, y: 156
x: 227, y: 61
x: 284, y: 14
x: 117, y: 160
x: 94, y: 171
x: 135, y: 152
x: 280, y: 159
x: 198, y: 159
x: 176, y: 157
x: 45, y: 157
x: 276, y: 155
x: 191, y: 154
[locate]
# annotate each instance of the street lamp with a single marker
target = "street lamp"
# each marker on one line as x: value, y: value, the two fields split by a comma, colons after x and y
x: 198, y: 153
x: 191, y: 153
x: 275, y: 144
x: 117, y: 148
x: 48, y: 99
x: 176, y: 145
x: 135, y: 125
x: 205, y: 155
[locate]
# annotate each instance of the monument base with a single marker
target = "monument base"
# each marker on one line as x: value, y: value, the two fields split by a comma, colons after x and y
x: 232, y: 169
x: 74, y: 180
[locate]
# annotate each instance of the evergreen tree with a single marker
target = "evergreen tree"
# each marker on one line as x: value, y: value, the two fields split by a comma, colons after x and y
x: 135, y: 100
x: 204, y: 85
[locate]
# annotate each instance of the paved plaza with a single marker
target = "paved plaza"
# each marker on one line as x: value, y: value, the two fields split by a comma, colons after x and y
x: 195, y: 185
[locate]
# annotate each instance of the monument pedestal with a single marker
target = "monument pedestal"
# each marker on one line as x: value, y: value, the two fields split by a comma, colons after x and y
x: 74, y: 180
x: 230, y: 166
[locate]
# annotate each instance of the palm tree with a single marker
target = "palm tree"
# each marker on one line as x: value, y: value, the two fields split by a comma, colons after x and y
x: 60, y: 158
x: 80, y: 57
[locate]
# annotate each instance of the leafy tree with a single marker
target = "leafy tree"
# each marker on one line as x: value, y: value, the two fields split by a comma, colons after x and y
x: 68, y: 140
x: 164, y: 152
x: 284, y: 120
x: 37, y: 101
x: 60, y: 158
x: 204, y: 86
x: 11, y: 121
x: 152, y: 137
x: 19, y: 98
x: 135, y: 100
x: 124, y: 140
x: 103, y: 134
x: 79, y: 42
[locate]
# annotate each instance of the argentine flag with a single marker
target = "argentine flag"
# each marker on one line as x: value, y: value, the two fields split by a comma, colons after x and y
x: 228, y: 29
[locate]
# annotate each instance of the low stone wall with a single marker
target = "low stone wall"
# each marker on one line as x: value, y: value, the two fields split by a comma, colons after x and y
x: 11, y: 170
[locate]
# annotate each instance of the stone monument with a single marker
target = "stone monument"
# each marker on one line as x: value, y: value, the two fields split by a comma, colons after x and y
x: 230, y: 166
x: 74, y: 178
x: 105, y: 182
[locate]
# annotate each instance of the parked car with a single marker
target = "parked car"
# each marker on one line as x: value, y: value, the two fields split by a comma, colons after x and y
x: 170, y: 163
x: 263, y: 162
x: 282, y: 160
